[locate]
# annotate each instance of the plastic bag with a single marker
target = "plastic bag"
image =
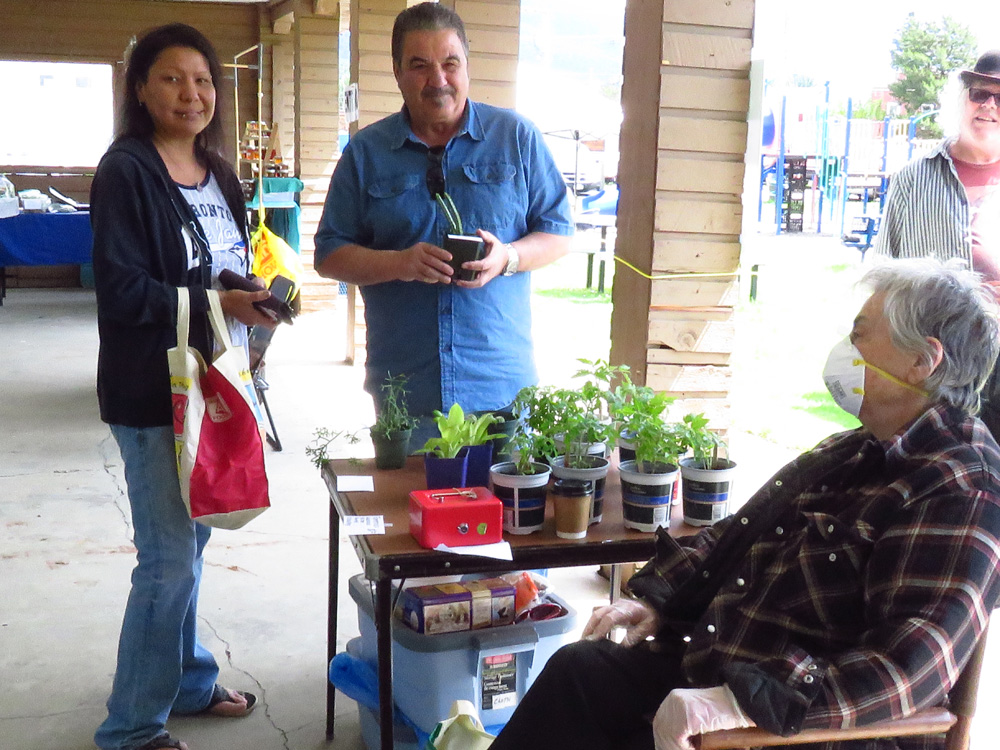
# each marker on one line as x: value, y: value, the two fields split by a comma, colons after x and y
x: 461, y: 731
x: 272, y: 256
x: 357, y: 680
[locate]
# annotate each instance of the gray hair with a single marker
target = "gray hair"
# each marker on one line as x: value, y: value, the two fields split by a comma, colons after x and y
x: 425, y: 17
x: 927, y: 298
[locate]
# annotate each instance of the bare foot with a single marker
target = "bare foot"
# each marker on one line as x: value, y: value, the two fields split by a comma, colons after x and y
x: 235, y: 705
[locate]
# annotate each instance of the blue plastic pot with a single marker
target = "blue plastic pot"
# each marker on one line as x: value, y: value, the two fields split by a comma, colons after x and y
x: 444, y: 473
x: 480, y: 460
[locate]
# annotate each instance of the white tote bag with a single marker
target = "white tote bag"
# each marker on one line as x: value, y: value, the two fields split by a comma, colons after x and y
x: 217, y: 426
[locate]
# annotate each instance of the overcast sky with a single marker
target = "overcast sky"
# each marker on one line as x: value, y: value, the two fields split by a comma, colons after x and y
x: 848, y: 42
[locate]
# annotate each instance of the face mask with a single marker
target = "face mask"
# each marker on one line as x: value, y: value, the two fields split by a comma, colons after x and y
x: 844, y: 376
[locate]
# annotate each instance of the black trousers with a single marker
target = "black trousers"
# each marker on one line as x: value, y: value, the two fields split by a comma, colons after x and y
x: 594, y: 695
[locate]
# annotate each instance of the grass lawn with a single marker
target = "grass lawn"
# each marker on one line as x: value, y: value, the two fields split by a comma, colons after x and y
x: 806, y: 301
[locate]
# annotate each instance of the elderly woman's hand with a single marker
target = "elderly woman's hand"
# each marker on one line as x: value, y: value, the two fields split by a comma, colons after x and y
x: 638, y: 618
x: 686, y: 712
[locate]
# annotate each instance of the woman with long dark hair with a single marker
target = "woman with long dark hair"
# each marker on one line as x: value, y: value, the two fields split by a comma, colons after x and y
x: 167, y: 211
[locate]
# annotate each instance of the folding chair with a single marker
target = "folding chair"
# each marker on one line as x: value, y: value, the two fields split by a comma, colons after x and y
x: 862, y: 233
x: 955, y: 721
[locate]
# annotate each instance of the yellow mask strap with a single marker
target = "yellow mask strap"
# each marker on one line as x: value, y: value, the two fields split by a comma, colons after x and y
x: 890, y: 377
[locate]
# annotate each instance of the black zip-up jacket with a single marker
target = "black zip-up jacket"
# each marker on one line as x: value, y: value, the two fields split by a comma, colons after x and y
x: 138, y: 216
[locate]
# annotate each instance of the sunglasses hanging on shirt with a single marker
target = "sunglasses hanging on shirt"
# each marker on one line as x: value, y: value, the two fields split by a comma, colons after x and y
x: 435, y: 172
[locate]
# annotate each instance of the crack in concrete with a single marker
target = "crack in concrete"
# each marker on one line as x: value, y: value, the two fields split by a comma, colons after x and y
x: 264, y: 706
x: 108, y: 462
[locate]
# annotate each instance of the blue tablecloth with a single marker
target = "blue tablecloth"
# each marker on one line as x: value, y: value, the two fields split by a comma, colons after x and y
x: 41, y: 239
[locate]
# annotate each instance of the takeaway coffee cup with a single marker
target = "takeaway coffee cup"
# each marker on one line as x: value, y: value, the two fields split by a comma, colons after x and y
x: 573, y: 500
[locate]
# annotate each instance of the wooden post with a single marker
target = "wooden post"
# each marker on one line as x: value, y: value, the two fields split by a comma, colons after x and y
x: 685, y: 97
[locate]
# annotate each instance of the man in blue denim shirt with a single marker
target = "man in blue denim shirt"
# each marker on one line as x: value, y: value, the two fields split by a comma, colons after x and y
x: 465, y: 342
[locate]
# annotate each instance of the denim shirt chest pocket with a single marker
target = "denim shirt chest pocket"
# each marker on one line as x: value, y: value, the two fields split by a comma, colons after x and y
x: 494, y: 199
x: 399, y: 207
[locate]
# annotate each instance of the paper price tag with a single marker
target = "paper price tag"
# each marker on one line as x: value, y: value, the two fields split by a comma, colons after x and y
x: 355, y: 525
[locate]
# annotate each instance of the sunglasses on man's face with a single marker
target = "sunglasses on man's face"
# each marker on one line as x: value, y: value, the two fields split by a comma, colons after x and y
x: 435, y: 174
x: 981, y: 96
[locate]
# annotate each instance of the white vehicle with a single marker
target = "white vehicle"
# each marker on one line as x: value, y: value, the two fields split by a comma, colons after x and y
x: 583, y: 158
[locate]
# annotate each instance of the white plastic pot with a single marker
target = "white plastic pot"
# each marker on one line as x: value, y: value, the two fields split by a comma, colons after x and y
x: 523, y: 496
x: 646, y: 496
x: 706, y: 492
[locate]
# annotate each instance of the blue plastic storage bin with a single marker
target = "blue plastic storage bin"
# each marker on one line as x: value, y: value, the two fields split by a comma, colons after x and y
x: 491, y: 667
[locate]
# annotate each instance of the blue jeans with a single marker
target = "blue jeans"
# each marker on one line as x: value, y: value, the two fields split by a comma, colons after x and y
x: 161, y: 665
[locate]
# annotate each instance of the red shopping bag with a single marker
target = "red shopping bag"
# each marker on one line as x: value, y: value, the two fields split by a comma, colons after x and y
x: 217, y: 427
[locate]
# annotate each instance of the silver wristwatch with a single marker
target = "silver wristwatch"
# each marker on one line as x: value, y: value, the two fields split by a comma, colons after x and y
x: 513, y: 260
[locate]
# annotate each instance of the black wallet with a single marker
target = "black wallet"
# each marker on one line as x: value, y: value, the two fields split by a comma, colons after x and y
x: 276, y: 306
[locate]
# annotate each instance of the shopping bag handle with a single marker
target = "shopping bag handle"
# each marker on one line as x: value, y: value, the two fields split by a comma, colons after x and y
x: 466, y: 708
x: 183, y: 319
x: 215, y: 316
x: 219, y: 327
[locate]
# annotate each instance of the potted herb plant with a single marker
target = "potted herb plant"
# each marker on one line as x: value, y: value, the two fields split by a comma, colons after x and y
x: 648, y: 480
x: 479, y: 439
x: 707, y: 480
x: 582, y: 428
x: 463, y: 247
x: 318, y: 450
x: 522, y: 483
x: 446, y: 457
x: 393, y: 425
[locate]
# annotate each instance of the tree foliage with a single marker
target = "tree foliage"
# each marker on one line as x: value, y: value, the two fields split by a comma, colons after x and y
x: 924, y: 53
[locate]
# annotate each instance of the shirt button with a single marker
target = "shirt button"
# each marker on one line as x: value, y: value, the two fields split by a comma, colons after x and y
x: 705, y: 574
x: 830, y: 528
x: 808, y: 679
x: 833, y: 557
x: 779, y: 531
x: 744, y: 520
x: 710, y: 628
x: 740, y: 582
x: 686, y: 639
x: 777, y: 482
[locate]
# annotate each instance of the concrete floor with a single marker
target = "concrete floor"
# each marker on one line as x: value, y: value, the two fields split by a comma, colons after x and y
x: 66, y: 555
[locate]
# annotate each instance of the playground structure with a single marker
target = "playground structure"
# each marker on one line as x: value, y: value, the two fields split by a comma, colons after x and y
x: 822, y: 163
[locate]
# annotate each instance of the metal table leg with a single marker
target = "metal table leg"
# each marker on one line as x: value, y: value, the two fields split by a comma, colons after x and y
x: 331, y: 621
x: 616, y: 582
x: 383, y: 625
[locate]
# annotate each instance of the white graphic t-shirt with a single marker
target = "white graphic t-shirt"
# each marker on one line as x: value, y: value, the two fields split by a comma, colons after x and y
x: 224, y: 239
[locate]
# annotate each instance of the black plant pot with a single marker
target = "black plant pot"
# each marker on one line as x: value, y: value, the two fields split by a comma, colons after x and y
x: 391, y: 449
x: 464, y: 248
x: 501, y: 452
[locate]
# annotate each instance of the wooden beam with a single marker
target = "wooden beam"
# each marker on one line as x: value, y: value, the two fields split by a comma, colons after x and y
x: 637, y: 178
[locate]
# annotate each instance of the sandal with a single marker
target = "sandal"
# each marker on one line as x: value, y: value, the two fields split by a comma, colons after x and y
x: 163, y: 742
x: 222, y: 695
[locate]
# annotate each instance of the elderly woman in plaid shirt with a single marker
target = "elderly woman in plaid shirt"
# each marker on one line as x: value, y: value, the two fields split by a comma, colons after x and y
x: 851, y: 588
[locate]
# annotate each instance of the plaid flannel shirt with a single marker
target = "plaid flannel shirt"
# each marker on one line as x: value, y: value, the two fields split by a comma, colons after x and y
x: 851, y: 588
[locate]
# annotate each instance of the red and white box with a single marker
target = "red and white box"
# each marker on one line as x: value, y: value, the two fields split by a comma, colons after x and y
x: 459, y: 517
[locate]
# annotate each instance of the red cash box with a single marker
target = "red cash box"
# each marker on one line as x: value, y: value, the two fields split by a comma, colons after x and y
x: 459, y: 517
